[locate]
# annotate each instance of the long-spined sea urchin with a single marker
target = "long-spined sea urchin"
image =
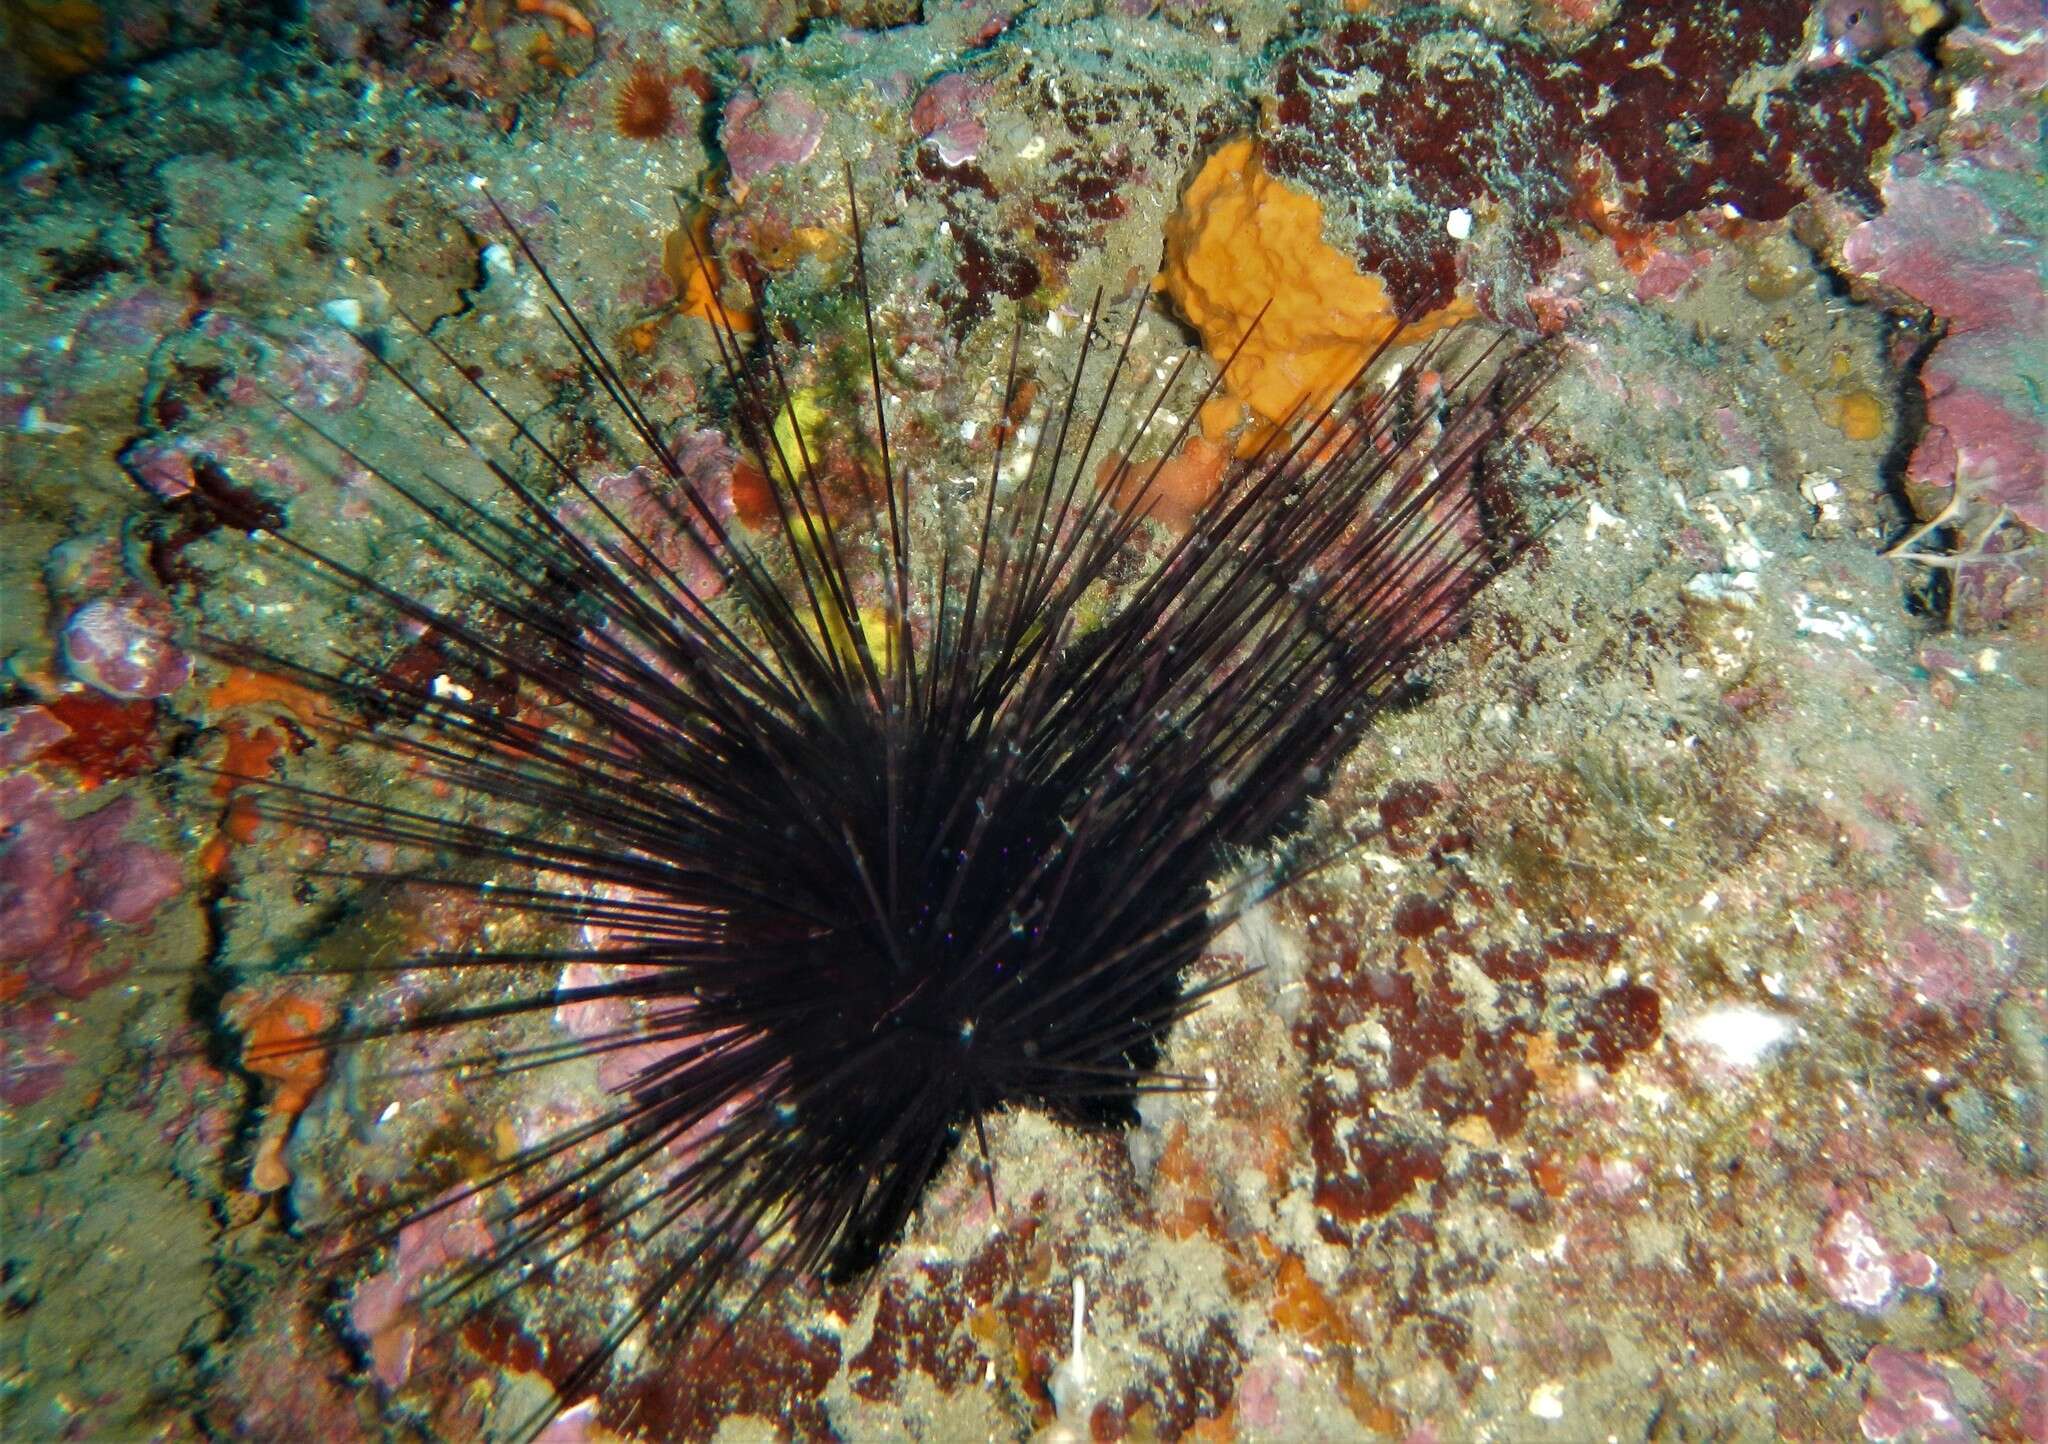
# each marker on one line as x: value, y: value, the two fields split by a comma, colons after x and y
x: 878, y: 835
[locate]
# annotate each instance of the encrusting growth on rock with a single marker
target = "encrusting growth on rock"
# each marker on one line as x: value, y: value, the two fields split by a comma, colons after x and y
x: 1244, y: 248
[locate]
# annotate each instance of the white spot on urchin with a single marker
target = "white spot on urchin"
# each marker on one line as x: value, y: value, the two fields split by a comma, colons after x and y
x: 1458, y: 224
x: 1742, y: 1034
x: 1546, y: 1400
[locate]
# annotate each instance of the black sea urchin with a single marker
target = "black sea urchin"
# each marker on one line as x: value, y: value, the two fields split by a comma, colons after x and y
x: 898, y: 816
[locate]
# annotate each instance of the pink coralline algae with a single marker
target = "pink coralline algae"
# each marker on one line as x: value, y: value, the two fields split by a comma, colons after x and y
x: 2003, y: 1308
x: 41, y: 389
x: 32, y: 1062
x: 1951, y: 968
x: 1910, y: 1400
x: 1266, y: 1389
x: 613, y: 1020
x: 84, y: 567
x: 26, y: 733
x: 122, y: 646
x: 129, y: 322
x: 608, y: 1018
x: 1859, y: 1270
x: 319, y: 367
x: 169, y: 466
x: 2011, y: 1356
x: 1670, y: 273
x: 1941, y: 245
x: 291, y: 1383
x: 61, y: 879
x: 2008, y: 46
x: 654, y: 513
x: 382, y: 1312
x: 62, y: 882
x: 944, y: 117
x: 165, y: 468
x: 760, y: 133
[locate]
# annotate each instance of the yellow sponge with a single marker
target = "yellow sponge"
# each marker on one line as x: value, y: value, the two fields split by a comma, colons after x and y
x: 1242, y: 239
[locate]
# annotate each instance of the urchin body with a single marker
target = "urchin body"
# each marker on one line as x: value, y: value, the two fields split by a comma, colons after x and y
x: 946, y: 944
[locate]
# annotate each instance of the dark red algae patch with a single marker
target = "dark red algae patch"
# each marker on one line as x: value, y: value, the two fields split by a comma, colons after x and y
x: 1675, y: 99
x: 950, y: 1320
x: 1672, y: 108
x: 1404, y: 1060
x: 1620, y: 1021
x: 990, y: 265
x: 108, y: 739
x: 1102, y: 138
x: 763, y: 1369
x: 769, y: 1367
x: 1450, y: 1062
x: 999, y: 1317
x: 1400, y: 123
x: 1200, y: 1383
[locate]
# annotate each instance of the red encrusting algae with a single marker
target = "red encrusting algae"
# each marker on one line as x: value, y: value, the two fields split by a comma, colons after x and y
x: 281, y: 1043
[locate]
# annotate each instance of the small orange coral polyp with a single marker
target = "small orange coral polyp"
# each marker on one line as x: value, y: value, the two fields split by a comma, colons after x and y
x: 646, y: 107
x: 1242, y: 240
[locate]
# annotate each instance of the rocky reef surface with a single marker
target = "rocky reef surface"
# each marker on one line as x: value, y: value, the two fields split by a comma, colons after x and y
x: 1669, y: 1064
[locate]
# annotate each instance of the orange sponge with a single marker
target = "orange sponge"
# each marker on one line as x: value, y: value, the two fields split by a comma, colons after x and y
x: 1242, y: 239
x: 686, y: 256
